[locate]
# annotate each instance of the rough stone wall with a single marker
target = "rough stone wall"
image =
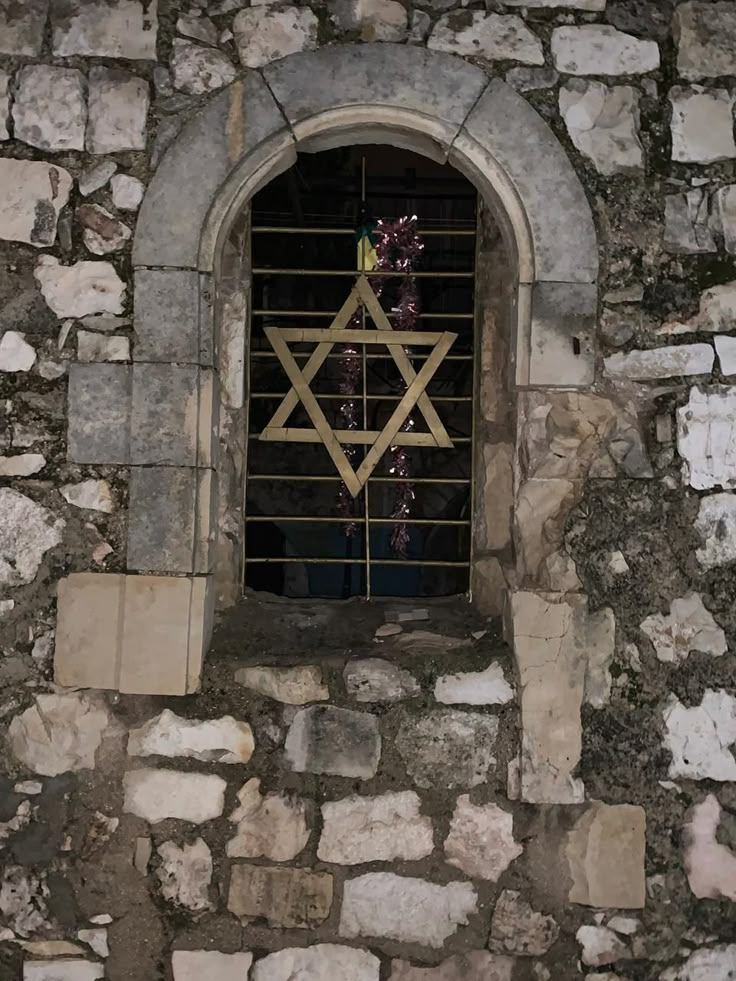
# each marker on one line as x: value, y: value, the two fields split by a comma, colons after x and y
x: 624, y: 511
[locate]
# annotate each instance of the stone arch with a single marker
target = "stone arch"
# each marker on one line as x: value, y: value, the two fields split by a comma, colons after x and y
x: 157, y: 625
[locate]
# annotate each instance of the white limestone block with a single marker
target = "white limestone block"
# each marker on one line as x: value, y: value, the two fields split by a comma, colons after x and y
x: 603, y: 123
x: 32, y: 194
x: 700, y: 737
x: 375, y: 829
x: 59, y: 733
x: 481, y: 840
x: 224, y: 740
x: 702, y: 124
x: 265, y: 35
x: 381, y: 904
x: 660, y: 362
x: 710, y: 866
x: 156, y: 795
x: 488, y: 687
x: 716, y: 525
x: 83, y: 288
x: 317, y: 963
x: 689, y: 627
x: 271, y: 826
x: 27, y: 532
x: 599, y: 49
x: 210, y: 965
x: 49, y: 111
x: 92, y: 495
x: 706, y: 439
x: 494, y: 37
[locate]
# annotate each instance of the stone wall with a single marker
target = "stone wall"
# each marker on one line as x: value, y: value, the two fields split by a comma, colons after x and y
x: 621, y: 572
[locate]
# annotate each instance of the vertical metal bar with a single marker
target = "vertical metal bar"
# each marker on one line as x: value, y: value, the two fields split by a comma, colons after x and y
x: 247, y: 265
x: 477, y: 349
x: 366, y: 502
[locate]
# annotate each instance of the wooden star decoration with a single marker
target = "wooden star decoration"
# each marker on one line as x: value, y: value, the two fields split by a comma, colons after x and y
x: 415, y: 396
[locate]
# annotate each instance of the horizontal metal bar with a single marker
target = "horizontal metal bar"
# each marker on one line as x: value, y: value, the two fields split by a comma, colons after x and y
x: 281, y: 559
x: 330, y: 313
x: 391, y: 338
x: 358, y: 397
x: 349, y: 436
x: 275, y: 229
x: 445, y: 522
x: 370, y: 357
x: 335, y: 478
x: 357, y: 272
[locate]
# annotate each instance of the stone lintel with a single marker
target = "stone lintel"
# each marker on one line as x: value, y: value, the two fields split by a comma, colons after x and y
x: 142, y: 635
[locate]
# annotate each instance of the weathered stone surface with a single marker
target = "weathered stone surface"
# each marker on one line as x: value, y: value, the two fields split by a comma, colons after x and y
x: 603, y: 123
x: 475, y: 965
x: 706, y: 964
x: 167, y: 315
x: 375, y: 829
x: 702, y: 124
x: 27, y: 532
x: 156, y: 795
x: 169, y: 519
x: 4, y: 105
x: 196, y: 70
x: 700, y: 738
x: 481, y: 840
x: 717, y: 312
x: 494, y: 37
x: 550, y: 638
x: 716, y: 525
x: 710, y: 866
x: 49, y: 110
x: 516, y: 928
x: 80, y: 289
x: 103, y: 232
x: 317, y: 963
x: 706, y: 39
x: 92, y: 347
x: 21, y: 464
x: 59, y: 733
x: 125, y: 29
x: 447, y: 748
x: 325, y: 739
x: 293, y: 686
x: 31, y: 196
x: 605, y: 855
x: 22, y: 26
x: 264, y: 34
x: 196, y: 965
x: 99, y: 413
x: 118, y: 107
x: 96, y: 176
x: 599, y: 49
x: 706, y: 440
x: 689, y: 627
x: 488, y: 687
x: 96, y: 939
x: 660, y: 362
x: 16, y: 354
x: 531, y: 79
x: 591, y: 5
x: 185, y: 874
x: 373, y: 679
x: 601, y: 946
x: 285, y: 897
x: 270, y: 826
x: 224, y: 740
x: 723, y: 218
x: 726, y: 351
x: 687, y: 228
x: 381, y: 904
x: 375, y: 20
x: 66, y: 969
x: 168, y: 417
x: 127, y: 192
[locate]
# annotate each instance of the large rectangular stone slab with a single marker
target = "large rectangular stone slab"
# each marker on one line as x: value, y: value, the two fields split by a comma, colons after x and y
x: 99, y: 413
x: 171, y: 519
x: 562, y: 336
x: 605, y: 853
x: 118, y: 109
x: 706, y: 39
x: 167, y: 318
x: 284, y: 897
x: 135, y: 634
x: 165, y: 415
x: 124, y: 29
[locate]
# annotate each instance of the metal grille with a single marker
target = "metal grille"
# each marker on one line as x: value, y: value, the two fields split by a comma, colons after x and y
x: 295, y: 541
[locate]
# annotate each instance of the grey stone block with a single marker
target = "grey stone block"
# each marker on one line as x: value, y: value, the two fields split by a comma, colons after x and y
x: 165, y: 415
x: 161, y: 519
x: 166, y: 315
x: 563, y: 330
x: 559, y: 216
x: 99, y: 413
x: 22, y: 26
x: 188, y: 178
x: 434, y: 85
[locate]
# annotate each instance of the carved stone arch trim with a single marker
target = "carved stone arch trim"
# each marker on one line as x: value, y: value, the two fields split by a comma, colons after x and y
x: 156, y: 626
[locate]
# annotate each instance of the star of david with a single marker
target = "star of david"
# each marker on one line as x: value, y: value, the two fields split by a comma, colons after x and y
x: 415, y: 396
